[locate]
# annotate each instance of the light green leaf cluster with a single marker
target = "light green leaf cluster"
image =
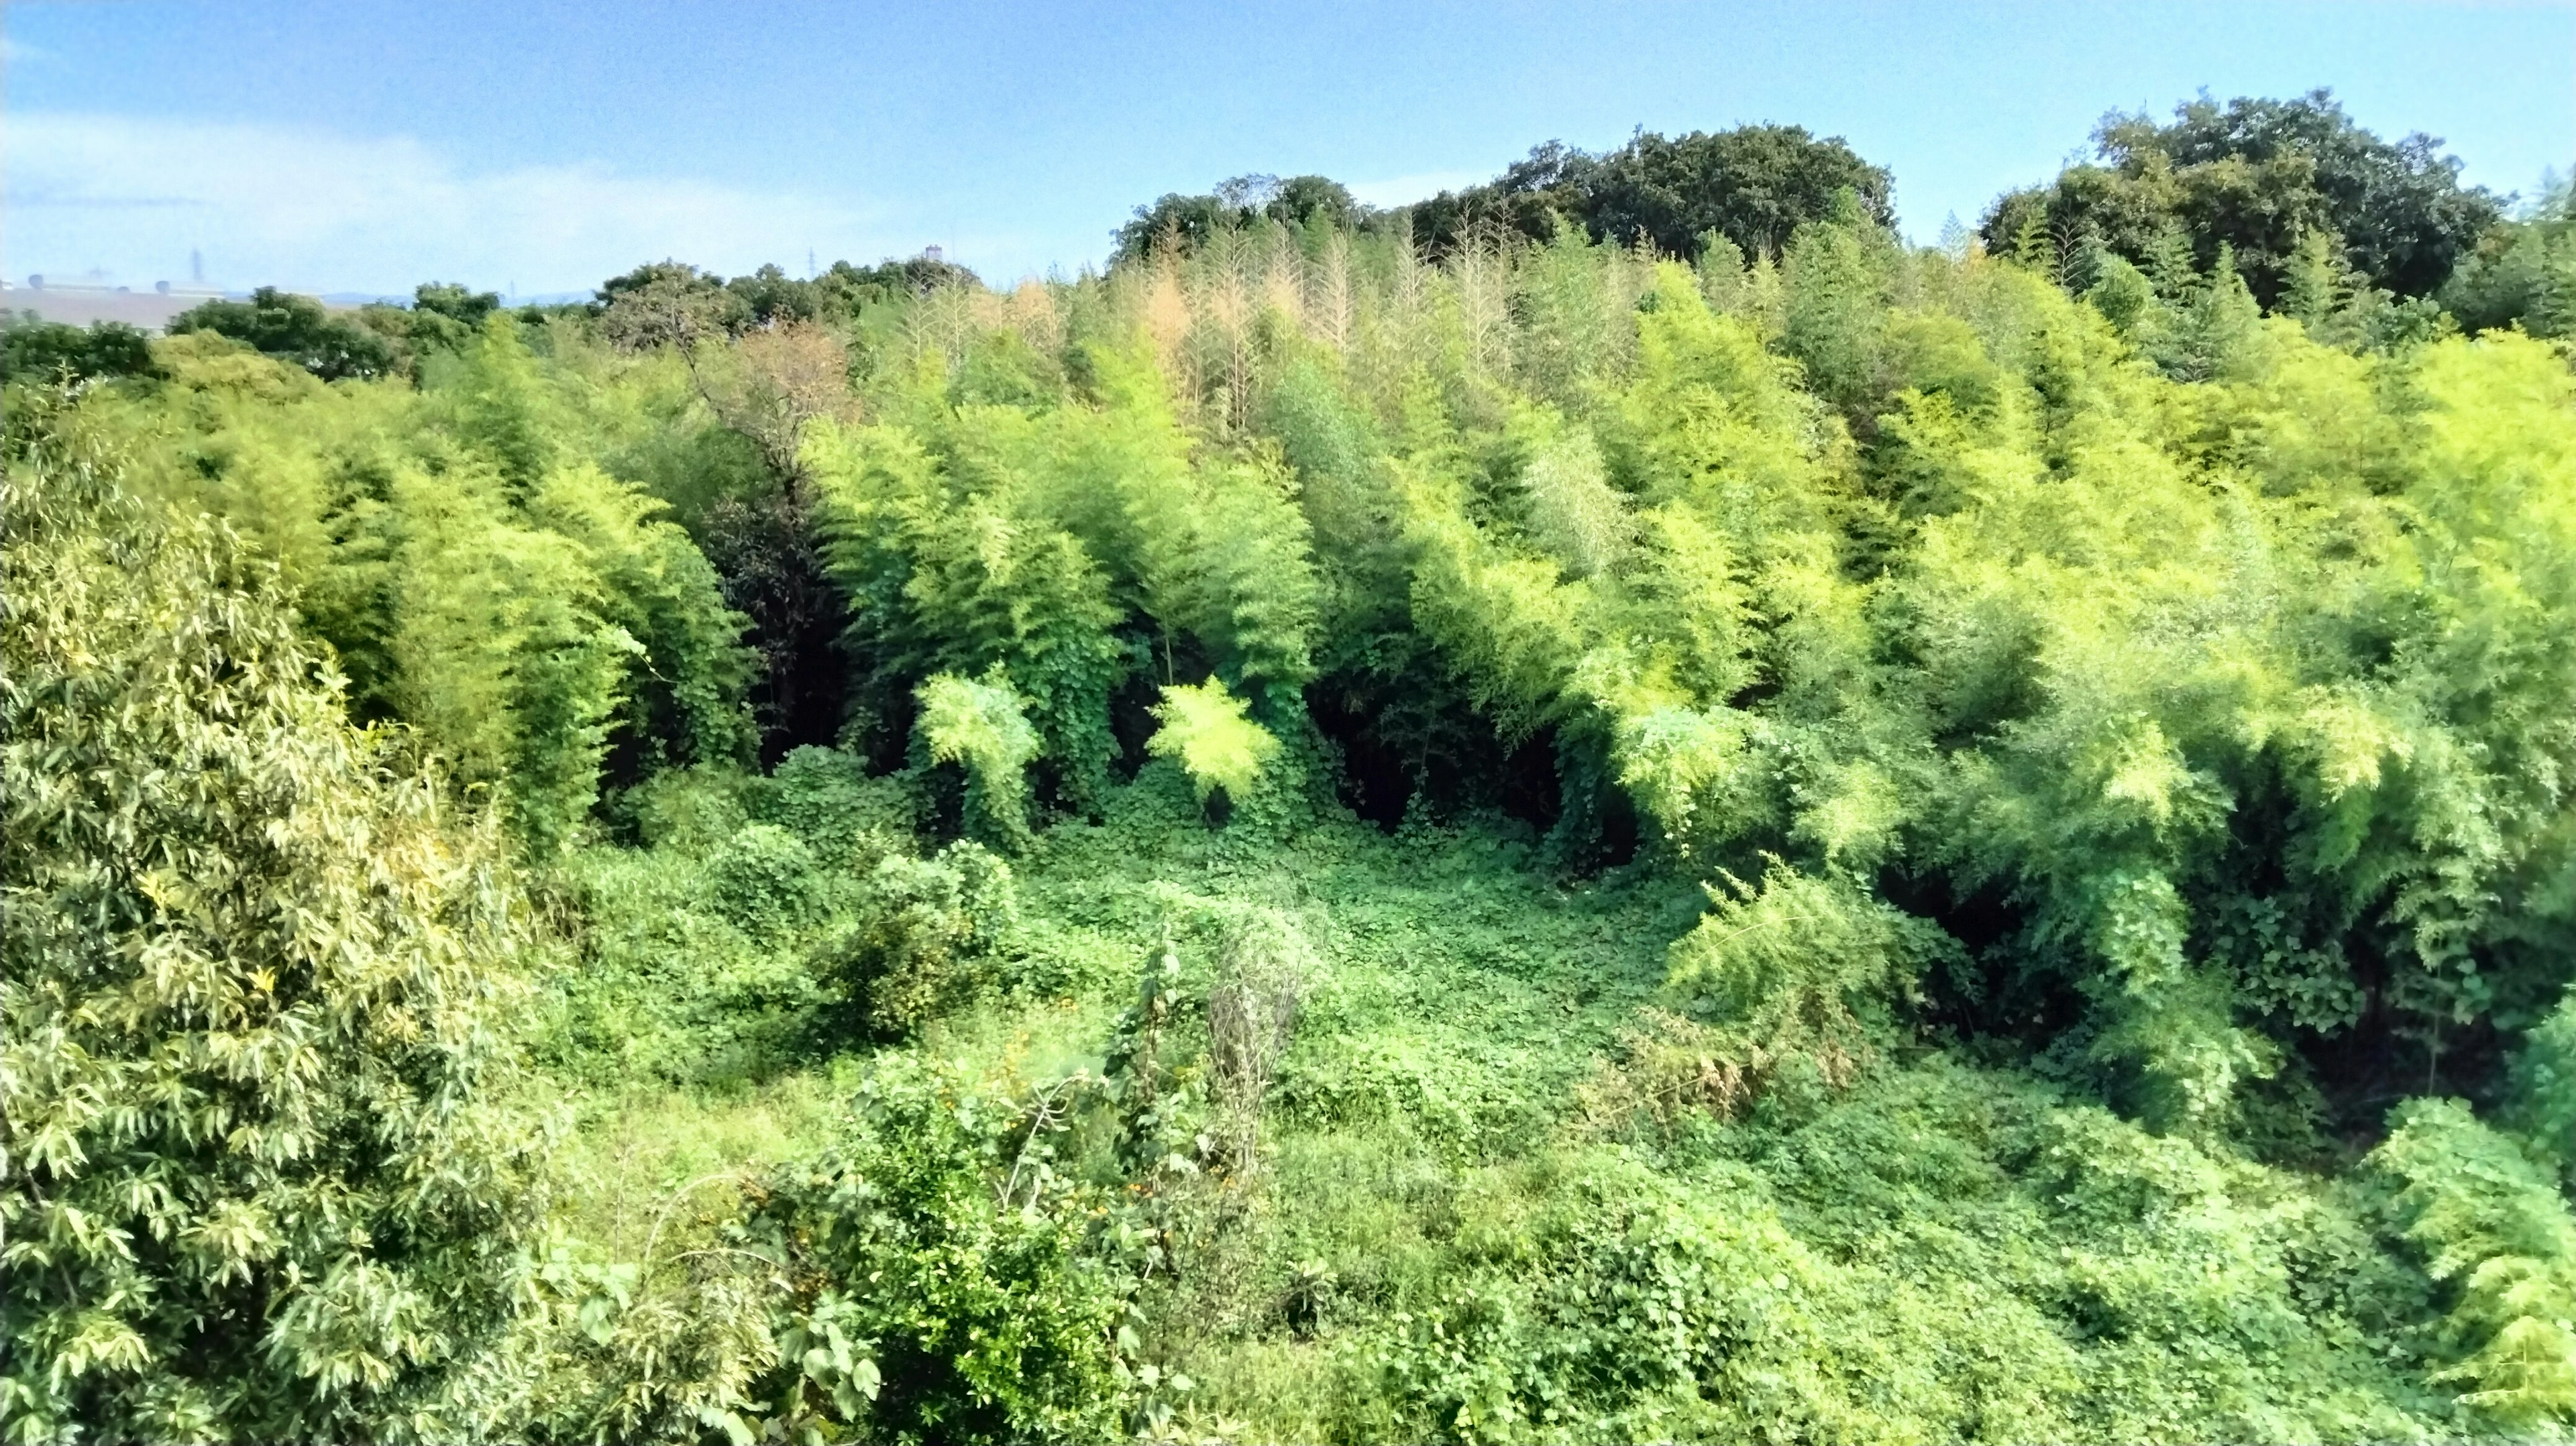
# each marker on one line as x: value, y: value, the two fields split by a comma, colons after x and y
x: 1800, y: 959
x: 1066, y: 541
x: 944, y: 577
x: 501, y: 654
x: 1205, y: 730
x: 982, y: 726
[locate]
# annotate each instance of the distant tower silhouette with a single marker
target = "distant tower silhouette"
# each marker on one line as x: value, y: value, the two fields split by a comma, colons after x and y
x: 196, y: 267
x: 932, y: 252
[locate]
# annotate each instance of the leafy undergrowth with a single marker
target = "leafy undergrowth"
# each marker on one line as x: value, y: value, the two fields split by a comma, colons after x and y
x: 1501, y: 1177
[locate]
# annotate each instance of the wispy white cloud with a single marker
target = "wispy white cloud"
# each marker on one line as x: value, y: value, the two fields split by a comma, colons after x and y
x: 132, y: 196
x: 1404, y: 190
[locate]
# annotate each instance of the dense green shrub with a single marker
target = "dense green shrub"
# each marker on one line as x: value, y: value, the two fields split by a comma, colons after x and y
x: 295, y: 329
x: 1931, y: 1259
x: 1204, y: 729
x: 42, y: 352
x: 933, y: 1237
x: 1631, y: 1312
x: 540, y: 623
x: 260, y: 1181
x: 827, y: 798
x: 2544, y: 1088
x: 983, y: 727
x: 690, y: 809
x: 762, y: 880
x: 1801, y: 973
x: 926, y: 939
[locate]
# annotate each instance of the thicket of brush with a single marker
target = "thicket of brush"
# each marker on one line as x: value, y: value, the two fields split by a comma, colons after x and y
x: 1315, y: 839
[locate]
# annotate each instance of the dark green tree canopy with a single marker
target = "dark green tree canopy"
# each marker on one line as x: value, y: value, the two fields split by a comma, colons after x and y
x: 894, y: 279
x: 1753, y: 185
x: 2523, y: 272
x: 1189, y: 221
x: 443, y: 314
x: 769, y: 296
x: 2258, y: 176
x: 675, y: 287
x: 455, y: 301
x: 296, y: 328
x: 34, y: 349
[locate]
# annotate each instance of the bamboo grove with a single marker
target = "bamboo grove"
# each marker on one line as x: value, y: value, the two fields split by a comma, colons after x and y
x: 1515, y: 834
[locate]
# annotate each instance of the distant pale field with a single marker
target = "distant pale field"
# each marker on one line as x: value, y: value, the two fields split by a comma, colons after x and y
x: 80, y: 306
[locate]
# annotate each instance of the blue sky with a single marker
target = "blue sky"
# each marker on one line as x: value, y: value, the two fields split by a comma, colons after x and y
x: 364, y: 147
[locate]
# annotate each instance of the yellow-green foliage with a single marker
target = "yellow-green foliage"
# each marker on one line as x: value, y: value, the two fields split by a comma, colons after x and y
x: 981, y: 725
x: 260, y: 1180
x: 2215, y: 656
x: 943, y: 575
x: 2499, y: 1235
x: 500, y: 653
x: 2128, y: 734
x: 520, y: 607
x: 1799, y: 958
x: 1062, y: 537
x: 1204, y: 729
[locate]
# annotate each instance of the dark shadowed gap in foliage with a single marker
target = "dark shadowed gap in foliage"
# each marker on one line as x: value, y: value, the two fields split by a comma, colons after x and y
x: 2357, y: 1073
x: 1132, y: 722
x: 1051, y: 790
x: 2388, y: 1055
x: 943, y: 803
x: 881, y: 733
x: 627, y: 761
x: 1527, y: 787
x: 765, y: 551
x: 1375, y: 783
x: 1985, y: 996
x: 1401, y: 748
